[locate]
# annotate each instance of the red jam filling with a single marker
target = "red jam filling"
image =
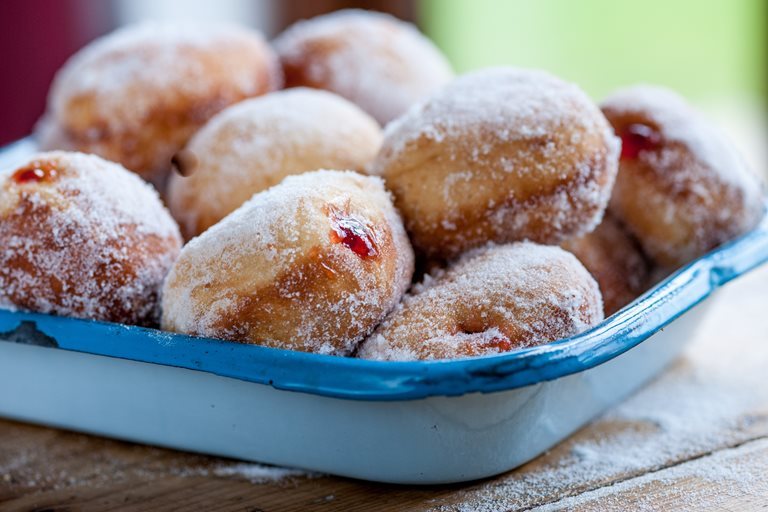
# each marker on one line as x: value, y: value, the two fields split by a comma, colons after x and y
x: 501, y: 343
x: 355, y: 234
x: 36, y: 172
x: 636, y: 138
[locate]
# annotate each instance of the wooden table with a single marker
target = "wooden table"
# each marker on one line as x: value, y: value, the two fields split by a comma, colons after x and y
x: 695, y: 439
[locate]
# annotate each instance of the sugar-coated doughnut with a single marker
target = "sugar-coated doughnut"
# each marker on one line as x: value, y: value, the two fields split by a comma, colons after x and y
x: 83, y: 237
x: 682, y: 187
x: 616, y: 262
x: 254, y: 144
x: 493, y: 300
x: 499, y: 155
x: 311, y: 264
x: 382, y: 64
x: 138, y: 94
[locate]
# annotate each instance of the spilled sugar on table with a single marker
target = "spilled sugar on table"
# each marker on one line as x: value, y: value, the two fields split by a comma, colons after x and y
x: 695, y: 438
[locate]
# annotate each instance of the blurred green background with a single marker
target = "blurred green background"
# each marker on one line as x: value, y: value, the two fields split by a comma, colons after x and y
x: 702, y: 48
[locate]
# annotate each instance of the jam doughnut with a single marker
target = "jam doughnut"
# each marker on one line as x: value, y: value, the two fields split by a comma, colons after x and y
x: 85, y: 238
x: 311, y: 264
x: 493, y: 300
x: 682, y: 188
x: 615, y: 261
x: 499, y: 155
x: 138, y: 94
x: 254, y: 144
x: 379, y: 62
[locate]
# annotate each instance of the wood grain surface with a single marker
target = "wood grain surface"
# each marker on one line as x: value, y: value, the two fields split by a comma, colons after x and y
x: 694, y: 439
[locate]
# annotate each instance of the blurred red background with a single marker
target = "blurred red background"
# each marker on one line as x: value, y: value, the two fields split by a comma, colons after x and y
x: 37, y: 36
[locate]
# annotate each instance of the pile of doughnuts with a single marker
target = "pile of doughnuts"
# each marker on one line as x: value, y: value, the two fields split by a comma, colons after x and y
x: 377, y: 207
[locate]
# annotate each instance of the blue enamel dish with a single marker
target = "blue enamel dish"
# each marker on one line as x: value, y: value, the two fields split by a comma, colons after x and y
x: 404, y: 422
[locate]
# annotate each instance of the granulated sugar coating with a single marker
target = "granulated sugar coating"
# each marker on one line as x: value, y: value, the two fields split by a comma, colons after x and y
x: 134, y: 56
x: 492, y: 300
x: 379, y: 62
x: 83, y: 237
x: 312, y: 264
x: 501, y: 155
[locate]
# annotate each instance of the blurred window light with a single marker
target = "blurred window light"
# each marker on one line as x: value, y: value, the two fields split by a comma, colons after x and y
x: 258, y: 14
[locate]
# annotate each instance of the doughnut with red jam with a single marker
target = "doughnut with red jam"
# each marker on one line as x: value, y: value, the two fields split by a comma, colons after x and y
x: 311, y: 264
x: 682, y: 187
x: 83, y: 237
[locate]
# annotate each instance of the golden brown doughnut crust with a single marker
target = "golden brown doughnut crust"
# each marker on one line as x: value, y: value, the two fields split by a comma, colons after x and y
x: 379, y: 62
x: 312, y: 264
x: 254, y: 144
x: 493, y: 300
x: 615, y: 261
x: 83, y: 237
x: 682, y: 187
x: 499, y: 155
x: 138, y: 94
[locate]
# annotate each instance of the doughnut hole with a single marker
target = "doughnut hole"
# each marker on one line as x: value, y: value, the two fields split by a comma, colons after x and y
x: 492, y: 300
